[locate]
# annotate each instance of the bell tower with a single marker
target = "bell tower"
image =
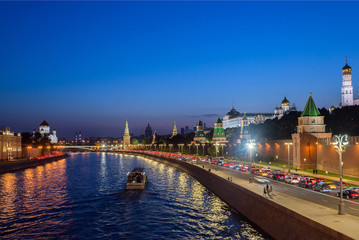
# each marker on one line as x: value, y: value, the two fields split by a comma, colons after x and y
x: 126, y: 137
x: 347, y: 88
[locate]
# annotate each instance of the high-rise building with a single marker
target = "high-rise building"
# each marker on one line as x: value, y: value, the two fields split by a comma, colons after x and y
x: 126, y: 137
x: 148, y: 132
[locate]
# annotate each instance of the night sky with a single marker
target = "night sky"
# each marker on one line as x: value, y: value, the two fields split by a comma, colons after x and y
x: 89, y: 66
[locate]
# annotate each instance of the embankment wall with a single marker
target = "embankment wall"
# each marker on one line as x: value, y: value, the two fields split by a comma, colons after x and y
x: 276, y: 220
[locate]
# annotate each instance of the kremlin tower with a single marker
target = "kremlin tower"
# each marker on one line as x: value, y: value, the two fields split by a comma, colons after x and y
x: 126, y: 137
x: 174, y: 132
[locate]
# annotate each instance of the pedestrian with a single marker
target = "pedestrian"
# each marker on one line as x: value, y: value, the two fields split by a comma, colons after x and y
x: 203, y: 166
x: 316, y: 171
x: 209, y: 169
x: 228, y: 178
x: 313, y: 171
x: 270, y: 188
x: 326, y: 173
x: 264, y: 191
x: 267, y: 188
x: 231, y: 179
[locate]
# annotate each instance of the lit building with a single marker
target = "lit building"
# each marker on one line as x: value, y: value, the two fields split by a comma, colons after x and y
x: 347, y: 87
x: 44, y: 130
x: 199, y: 136
x: 126, y: 137
x: 244, y: 128
x: 283, y: 109
x: 218, y: 133
x: 310, y: 128
x: 174, y: 132
x: 233, y: 118
x: 10, y: 145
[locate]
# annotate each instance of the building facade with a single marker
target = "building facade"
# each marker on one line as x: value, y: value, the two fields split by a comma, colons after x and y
x: 10, y: 145
x: 233, y: 118
x: 148, y: 132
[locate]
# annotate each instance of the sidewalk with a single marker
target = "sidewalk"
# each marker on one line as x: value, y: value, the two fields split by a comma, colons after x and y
x: 346, y: 224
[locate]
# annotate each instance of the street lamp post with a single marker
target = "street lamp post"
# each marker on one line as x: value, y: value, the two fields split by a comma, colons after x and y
x: 222, y: 144
x: 305, y: 166
x: 250, y: 145
x: 197, y: 147
x: 203, y: 144
x: 340, y: 142
x: 189, y: 148
x: 288, y: 144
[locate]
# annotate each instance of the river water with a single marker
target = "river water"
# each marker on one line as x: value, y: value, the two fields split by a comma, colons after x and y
x: 83, y: 197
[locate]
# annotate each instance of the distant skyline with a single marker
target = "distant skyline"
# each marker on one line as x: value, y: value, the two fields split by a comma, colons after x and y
x: 90, y: 66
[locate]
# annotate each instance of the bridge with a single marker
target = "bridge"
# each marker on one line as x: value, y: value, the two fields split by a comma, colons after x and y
x: 83, y: 147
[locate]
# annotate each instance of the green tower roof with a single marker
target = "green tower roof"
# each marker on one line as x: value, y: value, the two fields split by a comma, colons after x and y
x: 218, y: 120
x: 310, y: 109
x: 126, y: 128
x: 245, y: 117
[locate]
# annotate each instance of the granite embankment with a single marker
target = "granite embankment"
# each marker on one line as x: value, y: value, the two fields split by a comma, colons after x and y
x: 273, y: 218
x: 16, y: 165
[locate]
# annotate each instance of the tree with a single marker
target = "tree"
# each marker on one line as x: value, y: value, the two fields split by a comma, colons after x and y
x: 134, y: 141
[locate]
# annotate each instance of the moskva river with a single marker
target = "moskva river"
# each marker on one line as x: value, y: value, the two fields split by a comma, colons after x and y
x: 83, y: 197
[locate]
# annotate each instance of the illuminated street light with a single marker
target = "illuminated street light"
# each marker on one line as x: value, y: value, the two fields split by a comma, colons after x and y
x: 197, y: 147
x: 339, y: 144
x: 288, y: 144
x: 222, y: 144
x: 250, y: 144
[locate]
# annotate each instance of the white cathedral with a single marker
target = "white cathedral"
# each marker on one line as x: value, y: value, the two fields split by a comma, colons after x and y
x: 44, y: 130
x: 347, y: 87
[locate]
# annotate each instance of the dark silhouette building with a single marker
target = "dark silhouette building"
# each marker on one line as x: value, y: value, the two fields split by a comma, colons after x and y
x: 148, y: 132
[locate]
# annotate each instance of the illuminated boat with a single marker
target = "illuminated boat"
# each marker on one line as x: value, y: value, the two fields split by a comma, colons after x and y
x: 136, y: 179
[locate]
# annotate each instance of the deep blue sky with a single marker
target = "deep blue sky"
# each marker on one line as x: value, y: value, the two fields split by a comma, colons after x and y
x: 89, y: 66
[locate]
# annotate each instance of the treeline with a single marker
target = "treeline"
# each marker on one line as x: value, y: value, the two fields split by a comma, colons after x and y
x: 343, y: 120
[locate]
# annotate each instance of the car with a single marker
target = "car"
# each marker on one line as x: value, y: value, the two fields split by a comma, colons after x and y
x: 348, y: 194
x: 322, y: 187
x: 332, y: 185
x: 305, y: 184
x: 292, y: 180
x: 338, y: 184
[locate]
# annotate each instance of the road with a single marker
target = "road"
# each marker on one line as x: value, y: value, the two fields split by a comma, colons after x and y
x: 323, y: 199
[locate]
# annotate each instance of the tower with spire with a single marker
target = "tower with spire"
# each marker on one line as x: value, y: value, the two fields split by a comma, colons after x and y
x: 244, y: 128
x: 199, y: 136
x: 218, y: 133
x: 347, y: 88
x: 174, y: 132
x: 310, y: 128
x: 126, y: 137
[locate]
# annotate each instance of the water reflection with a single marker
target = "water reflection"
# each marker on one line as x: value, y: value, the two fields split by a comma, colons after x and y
x: 83, y: 197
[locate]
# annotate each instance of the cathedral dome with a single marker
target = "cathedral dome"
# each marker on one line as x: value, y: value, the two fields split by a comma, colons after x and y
x: 233, y: 113
x: 347, y: 67
x: 285, y: 102
x: 44, y: 124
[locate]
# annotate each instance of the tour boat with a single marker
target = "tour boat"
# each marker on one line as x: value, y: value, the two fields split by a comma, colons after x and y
x: 136, y: 179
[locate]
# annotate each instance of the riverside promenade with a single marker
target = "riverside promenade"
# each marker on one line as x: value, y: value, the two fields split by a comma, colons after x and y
x: 281, y: 215
x: 16, y: 165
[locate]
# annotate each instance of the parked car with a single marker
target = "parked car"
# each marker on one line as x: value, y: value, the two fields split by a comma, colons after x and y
x: 348, y: 194
x: 322, y: 187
